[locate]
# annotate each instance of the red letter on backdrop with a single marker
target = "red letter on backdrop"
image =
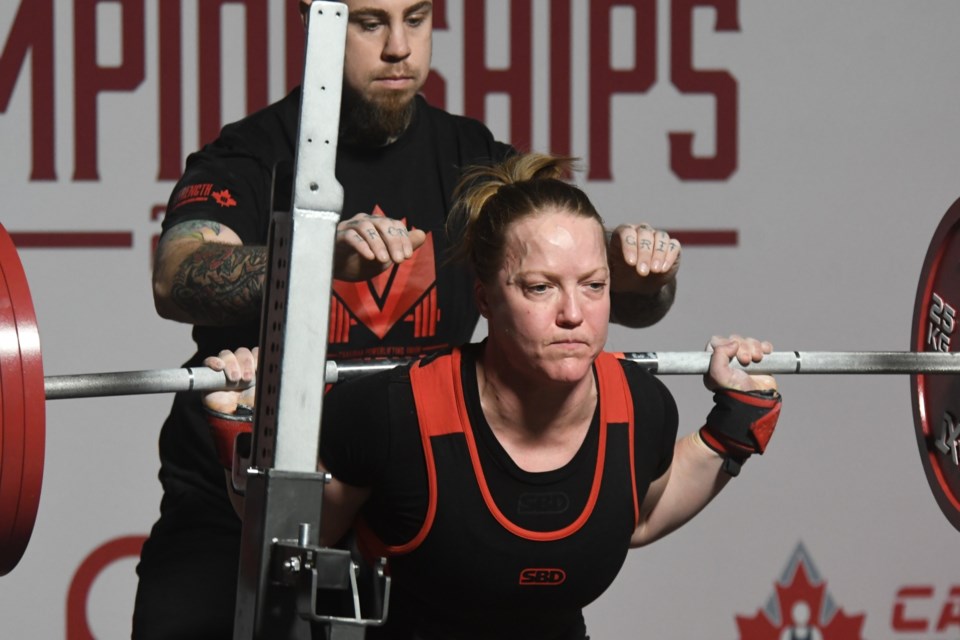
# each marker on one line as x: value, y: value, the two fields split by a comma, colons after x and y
x: 435, y: 88
x: 721, y: 84
x: 950, y: 615
x: 900, y: 622
x: 32, y: 32
x: 606, y: 81
x: 515, y: 80
x: 210, y: 74
x: 295, y: 41
x: 78, y: 627
x: 561, y: 51
x: 90, y: 79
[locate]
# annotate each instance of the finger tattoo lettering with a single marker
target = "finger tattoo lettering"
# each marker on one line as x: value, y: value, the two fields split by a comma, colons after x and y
x: 661, y: 245
x: 646, y: 244
x: 630, y: 241
x: 396, y: 231
x: 372, y: 233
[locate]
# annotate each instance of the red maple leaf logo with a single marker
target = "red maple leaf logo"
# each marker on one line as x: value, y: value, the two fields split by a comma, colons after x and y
x: 801, y: 605
x: 223, y: 198
x: 385, y: 300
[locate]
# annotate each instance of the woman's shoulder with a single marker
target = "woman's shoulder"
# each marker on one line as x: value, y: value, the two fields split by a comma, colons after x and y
x: 645, y: 387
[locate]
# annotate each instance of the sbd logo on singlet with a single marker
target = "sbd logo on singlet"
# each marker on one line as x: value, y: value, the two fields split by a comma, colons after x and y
x: 542, y: 577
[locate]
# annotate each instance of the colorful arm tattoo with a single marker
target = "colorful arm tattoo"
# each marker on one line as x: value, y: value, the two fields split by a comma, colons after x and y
x: 221, y: 283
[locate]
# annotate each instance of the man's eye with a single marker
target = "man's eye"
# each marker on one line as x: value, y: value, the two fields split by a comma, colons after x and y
x: 537, y: 288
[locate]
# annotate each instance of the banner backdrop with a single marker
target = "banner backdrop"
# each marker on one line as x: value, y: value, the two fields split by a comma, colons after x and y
x: 802, y: 150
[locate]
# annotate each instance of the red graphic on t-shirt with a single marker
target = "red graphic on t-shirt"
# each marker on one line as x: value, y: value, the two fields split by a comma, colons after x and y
x: 223, y: 198
x: 191, y: 193
x: 406, y: 291
x: 203, y: 192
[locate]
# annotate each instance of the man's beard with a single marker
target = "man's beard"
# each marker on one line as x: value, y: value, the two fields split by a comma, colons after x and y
x: 376, y: 122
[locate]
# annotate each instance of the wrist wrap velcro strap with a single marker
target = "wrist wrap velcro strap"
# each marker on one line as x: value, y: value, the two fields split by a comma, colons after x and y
x: 225, y: 428
x: 740, y: 424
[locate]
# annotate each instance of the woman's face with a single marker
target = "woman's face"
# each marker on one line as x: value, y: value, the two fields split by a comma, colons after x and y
x: 549, y: 305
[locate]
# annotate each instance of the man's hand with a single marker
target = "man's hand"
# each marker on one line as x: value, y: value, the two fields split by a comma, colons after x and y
x: 643, y: 274
x: 368, y: 245
x: 642, y: 259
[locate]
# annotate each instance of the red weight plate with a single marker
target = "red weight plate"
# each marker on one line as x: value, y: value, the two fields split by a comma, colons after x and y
x: 22, y: 409
x: 14, y: 425
x: 2, y: 513
x: 34, y: 397
x: 936, y: 397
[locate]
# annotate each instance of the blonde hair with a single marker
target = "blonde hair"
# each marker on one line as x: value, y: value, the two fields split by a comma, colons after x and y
x: 491, y: 198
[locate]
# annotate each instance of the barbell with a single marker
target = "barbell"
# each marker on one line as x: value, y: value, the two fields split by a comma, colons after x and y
x: 935, y: 387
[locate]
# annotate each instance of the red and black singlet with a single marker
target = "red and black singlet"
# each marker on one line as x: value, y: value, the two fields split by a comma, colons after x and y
x: 492, y: 550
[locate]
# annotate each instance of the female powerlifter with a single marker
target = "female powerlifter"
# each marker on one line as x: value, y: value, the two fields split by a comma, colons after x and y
x: 506, y: 480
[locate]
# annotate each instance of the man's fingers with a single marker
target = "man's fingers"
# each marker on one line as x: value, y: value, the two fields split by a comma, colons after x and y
x: 671, y: 258
x: 380, y: 238
x: 396, y: 238
x: 625, y: 237
x: 664, y: 252
x: 661, y: 242
x: 417, y: 238
x: 647, y: 249
x: 360, y: 240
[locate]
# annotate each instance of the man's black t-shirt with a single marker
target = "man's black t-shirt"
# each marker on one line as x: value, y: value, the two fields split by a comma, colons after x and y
x: 411, y: 309
x: 418, y: 307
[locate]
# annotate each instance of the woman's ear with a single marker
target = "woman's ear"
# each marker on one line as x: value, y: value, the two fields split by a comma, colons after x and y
x: 480, y: 296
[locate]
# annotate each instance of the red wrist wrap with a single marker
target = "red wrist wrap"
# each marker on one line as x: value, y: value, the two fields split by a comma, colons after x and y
x: 740, y: 424
x: 225, y: 428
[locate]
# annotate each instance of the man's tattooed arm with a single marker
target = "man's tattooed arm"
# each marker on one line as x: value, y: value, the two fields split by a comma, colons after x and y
x: 221, y: 284
x: 637, y: 310
x: 204, y: 275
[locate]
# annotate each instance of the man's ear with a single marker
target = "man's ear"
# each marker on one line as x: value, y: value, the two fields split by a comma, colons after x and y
x: 480, y: 296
